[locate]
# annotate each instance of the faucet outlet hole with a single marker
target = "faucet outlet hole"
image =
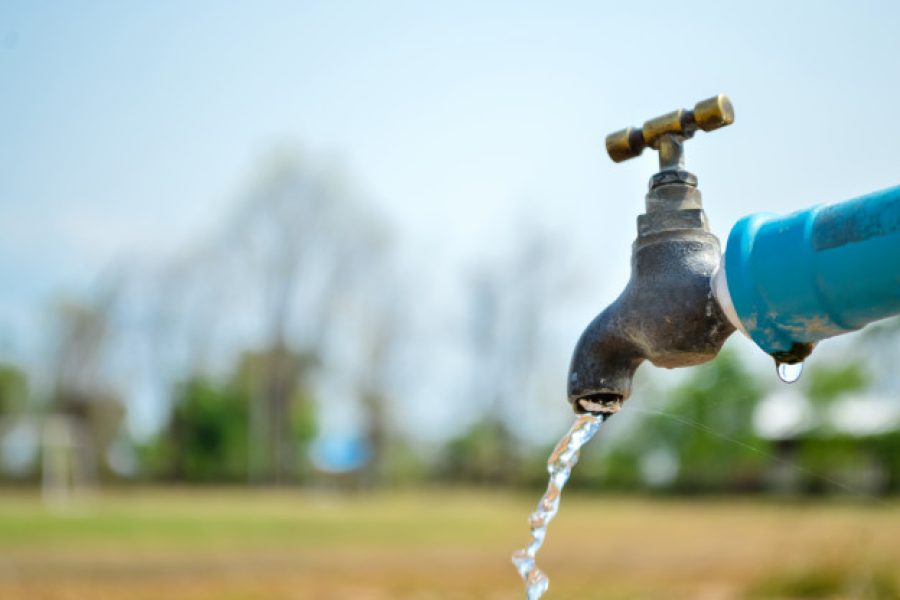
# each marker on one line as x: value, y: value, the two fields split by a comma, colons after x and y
x: 606, y: 403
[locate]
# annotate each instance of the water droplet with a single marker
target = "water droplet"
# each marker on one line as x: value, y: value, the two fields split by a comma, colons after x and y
x: 789, y: 373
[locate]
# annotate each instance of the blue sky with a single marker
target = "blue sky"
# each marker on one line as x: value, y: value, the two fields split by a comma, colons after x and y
x: 130, y: 129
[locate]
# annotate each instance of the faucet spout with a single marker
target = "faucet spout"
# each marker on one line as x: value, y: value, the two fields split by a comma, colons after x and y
x: 667, y: 313
x: 603, y: 364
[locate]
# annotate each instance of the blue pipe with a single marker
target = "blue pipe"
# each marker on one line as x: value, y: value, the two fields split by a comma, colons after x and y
x: 816, y: 273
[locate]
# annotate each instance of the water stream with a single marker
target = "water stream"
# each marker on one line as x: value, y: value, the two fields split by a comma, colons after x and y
x: 559, y: 466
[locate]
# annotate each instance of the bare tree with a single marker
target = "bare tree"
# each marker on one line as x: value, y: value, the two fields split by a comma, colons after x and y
x: 306, y: 243
x: 282, y: 291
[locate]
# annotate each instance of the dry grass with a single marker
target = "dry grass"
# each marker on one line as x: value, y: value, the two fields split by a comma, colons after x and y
x: 433, y: 545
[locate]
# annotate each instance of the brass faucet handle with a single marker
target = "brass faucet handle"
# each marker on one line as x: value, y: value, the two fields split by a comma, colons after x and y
x: 713, y: 113
x: 708, y: 115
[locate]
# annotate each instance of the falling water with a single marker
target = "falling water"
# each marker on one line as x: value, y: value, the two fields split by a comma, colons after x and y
x: 559, y: 465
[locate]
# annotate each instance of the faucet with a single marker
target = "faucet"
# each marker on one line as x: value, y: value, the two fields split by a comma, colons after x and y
x: 785, y: 282
x: 667, y: 313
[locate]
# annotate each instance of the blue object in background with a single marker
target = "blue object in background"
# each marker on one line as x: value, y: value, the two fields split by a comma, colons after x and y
x: 816, y: 273
x: 340, y: 453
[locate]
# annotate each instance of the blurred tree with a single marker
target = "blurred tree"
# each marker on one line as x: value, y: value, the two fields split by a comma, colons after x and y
x: 280, y: 378
x: 18, y: 446
x: 826, y: 382
x: 701, y: 439
x: 208, y: 435
x: 207, y: 438
x: 306, y: 244
x: 479, y: 455
x: 718, y: 446
x: 87, y: 412
x: 706, y: 423
x: 829, y: 459
x: 277, y: 290
x: 487, y: 451
x: 379, y: 344
x: 511, y: 303
x: 13, y: 390
x: 886, y: 447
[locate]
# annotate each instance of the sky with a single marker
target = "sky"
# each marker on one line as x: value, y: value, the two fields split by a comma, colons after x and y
x: 131, y: 129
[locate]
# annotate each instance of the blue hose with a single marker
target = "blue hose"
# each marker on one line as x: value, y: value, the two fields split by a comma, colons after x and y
x: 816, y: 273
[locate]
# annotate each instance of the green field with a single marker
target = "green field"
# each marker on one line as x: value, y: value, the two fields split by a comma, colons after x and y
x: 228, y: 544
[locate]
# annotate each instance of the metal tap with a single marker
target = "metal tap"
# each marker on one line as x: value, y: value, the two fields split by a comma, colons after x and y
x: 667, y: 313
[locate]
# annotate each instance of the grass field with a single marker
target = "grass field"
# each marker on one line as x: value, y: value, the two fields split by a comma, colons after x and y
x: 228, y: 544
